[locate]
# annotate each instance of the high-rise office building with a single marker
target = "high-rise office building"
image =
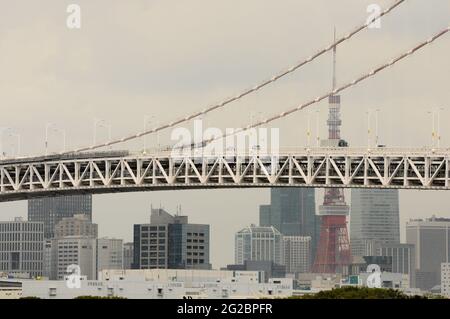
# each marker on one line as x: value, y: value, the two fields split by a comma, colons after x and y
x: 256, y: 243
x: 49, y: 260
x: 403, y: 259
x: 297, y: 254
x: 73, y: 250
x: 169, y: 241
x: 374, y: 218
x: 22, y: 247
x: 109, y: 253
x: 431, y: 238
x: 51, y: 210
x: 292, y: 211
x: 78, y: 225
x: 90, y: 254
x: 128, y: 255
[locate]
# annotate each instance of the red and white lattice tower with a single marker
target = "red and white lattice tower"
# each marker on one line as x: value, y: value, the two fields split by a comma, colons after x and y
x: 333, y: 249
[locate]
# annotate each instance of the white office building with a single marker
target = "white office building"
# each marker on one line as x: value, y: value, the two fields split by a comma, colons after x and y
x: 165, y: 284
x: 21, y: 247
x: 81, y: 251
x: 445, y: 279
x: 90, y: 254
x: 128, y: 255
x: 297, y: 253
x: 258, y: 244
x: 78, y: 225
x: 109, y: 253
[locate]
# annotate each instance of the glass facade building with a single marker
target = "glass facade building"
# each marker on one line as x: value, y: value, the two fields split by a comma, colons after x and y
x: 403, y: 259
x: 292, y: 211
x: 51, y: 210
x: 374, y: 219
x: 431, y: 238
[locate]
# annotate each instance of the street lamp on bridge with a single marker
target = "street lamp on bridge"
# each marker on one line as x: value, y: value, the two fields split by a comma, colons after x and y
x: 436, y: 127
x: 51, y: 127
x: 148, y: 119
x: 16, y: 135
x: 3, y: 130
x: 369, y: 130
x: 104, y: 124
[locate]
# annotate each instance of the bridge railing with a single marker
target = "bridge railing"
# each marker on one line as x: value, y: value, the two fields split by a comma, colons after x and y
x: 286, y: 151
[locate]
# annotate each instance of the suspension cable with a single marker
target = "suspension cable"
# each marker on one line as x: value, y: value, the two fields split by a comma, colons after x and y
x: 353, y: 83
x: 244, y: 93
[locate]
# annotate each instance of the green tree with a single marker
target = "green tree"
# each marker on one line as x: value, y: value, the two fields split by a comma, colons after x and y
x: 359, y: 293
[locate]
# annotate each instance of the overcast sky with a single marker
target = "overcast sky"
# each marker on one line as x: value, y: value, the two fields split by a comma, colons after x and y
x: 168, y: 58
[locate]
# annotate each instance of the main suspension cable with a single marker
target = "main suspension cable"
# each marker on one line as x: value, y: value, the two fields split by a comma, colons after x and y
x: 333, y: 92
x: 244, y: 93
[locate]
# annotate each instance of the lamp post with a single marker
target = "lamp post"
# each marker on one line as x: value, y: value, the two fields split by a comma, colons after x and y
x: 16, y: 135
x: 368, y: 129
x: 147, y: 120
x: 308, y: 132
x: 260, y: 136
x: 47, y: 128
x: 157, y: 136
x: 317, y: 129
x: 63, y: 133
x: 433, y: 134
x: 10, y: 132
x: 64, y: 139
x: 104, y: 124
x: 377, y: 111
x: 51, y: 127
x: 439, y: 126
x: 2, y: 131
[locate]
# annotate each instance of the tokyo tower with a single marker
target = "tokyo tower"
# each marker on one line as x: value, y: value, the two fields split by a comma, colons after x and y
x: 333, y: 250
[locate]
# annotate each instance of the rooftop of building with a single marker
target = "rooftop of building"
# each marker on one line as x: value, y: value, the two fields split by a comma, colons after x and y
x: 297, y: 238
x: 259, y: 229
x: 433, y: 218
x: 161, y: 216
x: 76, y: 218
x: 20, y: 220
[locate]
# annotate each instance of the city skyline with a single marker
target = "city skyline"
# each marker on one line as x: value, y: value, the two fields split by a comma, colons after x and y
x: 77, y: 62
x: 140, y: 65
x: 146, y: 212
x: 125, y: 233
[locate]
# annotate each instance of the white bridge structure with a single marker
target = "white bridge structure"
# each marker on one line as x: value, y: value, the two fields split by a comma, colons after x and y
x: 121, y: 171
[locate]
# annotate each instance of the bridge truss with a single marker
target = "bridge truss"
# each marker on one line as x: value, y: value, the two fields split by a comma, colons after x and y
x: 321, y: 168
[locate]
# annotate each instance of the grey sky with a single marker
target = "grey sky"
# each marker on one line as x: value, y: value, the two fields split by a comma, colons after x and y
x: 166, y: 58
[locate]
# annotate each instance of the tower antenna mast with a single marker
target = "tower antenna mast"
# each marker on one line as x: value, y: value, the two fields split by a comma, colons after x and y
x: 334, y: 61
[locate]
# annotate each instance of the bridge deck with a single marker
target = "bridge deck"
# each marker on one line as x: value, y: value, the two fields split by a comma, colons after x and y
x: 338, y: 167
